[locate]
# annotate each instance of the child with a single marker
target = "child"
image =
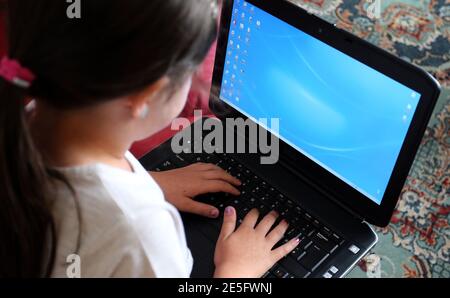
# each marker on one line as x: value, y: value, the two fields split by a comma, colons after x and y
x: 68, y: 184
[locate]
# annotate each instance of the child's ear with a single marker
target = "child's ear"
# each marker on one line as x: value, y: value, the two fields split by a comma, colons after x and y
x: 139, y: 101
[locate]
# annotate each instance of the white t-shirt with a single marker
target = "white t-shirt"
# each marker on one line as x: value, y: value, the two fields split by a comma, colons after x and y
x: 125, y: 229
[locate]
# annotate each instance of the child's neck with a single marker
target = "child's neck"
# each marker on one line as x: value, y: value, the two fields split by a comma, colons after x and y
x: 78, y: 137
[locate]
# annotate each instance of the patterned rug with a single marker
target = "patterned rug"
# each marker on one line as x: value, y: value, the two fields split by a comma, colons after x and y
x: 417, y: 242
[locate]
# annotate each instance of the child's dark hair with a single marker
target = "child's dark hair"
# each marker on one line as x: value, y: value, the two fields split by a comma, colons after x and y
x: 116, y: 48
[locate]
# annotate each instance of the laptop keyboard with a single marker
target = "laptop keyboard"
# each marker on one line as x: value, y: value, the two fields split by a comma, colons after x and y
x: 317, y: 241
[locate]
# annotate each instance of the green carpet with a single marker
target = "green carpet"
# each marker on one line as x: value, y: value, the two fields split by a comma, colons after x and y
x: 417, y: 242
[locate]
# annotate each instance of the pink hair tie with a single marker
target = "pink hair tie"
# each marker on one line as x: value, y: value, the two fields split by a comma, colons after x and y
x: 13, y: 72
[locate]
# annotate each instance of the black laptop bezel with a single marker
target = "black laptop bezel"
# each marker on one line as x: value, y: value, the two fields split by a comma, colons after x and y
x: 379, y: 59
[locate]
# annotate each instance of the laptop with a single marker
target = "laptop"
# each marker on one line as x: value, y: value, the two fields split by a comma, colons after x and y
x: 351, y: 119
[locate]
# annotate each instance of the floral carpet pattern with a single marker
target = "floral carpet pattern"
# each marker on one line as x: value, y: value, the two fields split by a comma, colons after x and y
x: 417, y: 242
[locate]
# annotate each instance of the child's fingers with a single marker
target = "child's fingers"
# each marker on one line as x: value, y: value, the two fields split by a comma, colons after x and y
x: 267, y: 223
x: 201, y: 166
x: 277, y: 233
x: 250, y: 219
x: 201, y: 209
x: 229, y: 223
x: 284, y: 250
x: 219, y: 174
x: 214, y: 186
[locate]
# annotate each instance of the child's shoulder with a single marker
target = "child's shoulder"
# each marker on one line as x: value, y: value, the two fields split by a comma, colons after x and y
x: 104, y: 239
x: 103, y: 196
x: 119, y: 216
x: 90, y: 222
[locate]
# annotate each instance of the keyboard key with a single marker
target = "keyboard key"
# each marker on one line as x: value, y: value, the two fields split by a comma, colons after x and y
x: 317, y: 224
x: 281, y: 198
x: 208, y: 199
x: 290, y: 204
x: 213, y: 159
x: 314, y: 258
x: 326, y: 231
x: 241, y: 178
x: 306, y: 229
x: 304, y: 244
x: 296, y: 253
x: 283, y: 212
x: 274, y: 206
x: 293, y: 233
x: 187, y: 157
x: 251, y: 202
x: 273, y: 192
x: 308, y: 216
x: 334, y: 270
x: 222, y: 206
x: 181, y: 160
x: 238, y: 205
x: 294, y: 268
x: 300, y: 221
x: 338, y: 239
x: 354, y: 249
x: 199, y: 158
x: 324, y: 242
x: 265, y: 200
x: 257, y: 191
x: 256, y: 179
x: 246, y: 210
x: 220, y: 163
x: 280, y: 272
x: 167, y: 165
x: 301, y: 255
x: 281, y: 242
x: 263, y: 210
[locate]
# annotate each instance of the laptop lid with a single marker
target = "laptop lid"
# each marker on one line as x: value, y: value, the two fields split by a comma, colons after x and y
x: 351, y: 115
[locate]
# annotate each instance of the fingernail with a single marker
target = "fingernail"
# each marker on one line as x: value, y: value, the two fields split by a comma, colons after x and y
x: 229, y: 210
x: 297, y: 241
x: 214, y: 213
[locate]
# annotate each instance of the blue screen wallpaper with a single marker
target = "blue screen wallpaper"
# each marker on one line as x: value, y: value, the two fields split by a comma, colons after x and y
x: 345, y: 116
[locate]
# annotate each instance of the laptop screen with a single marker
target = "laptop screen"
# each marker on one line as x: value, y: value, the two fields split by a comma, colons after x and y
x: 345, y: 116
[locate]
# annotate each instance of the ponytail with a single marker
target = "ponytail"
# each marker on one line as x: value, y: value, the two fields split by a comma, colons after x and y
x: 26, y: 223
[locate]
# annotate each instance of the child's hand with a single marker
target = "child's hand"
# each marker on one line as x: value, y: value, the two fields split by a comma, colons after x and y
x: 247, y: 252
x: 180, y: 186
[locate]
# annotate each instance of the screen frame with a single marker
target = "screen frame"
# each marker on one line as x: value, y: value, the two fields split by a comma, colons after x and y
x: 357, y: 48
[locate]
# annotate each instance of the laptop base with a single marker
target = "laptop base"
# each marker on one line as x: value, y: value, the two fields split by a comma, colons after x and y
x: 352, y: 238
